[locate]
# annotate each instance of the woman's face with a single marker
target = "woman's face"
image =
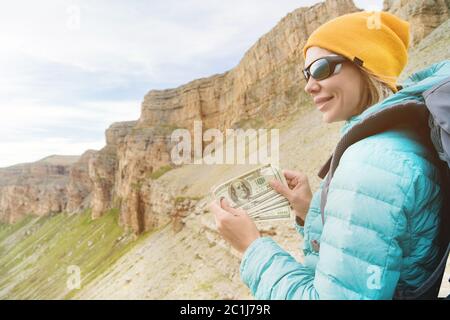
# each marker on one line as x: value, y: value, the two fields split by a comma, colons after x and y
x: 345, y: 90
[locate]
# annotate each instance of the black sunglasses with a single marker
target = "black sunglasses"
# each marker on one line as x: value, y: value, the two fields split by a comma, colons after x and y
x: 323, y: 67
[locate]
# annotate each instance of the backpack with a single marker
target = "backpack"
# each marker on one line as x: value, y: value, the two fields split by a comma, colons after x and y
x: 432, y: 120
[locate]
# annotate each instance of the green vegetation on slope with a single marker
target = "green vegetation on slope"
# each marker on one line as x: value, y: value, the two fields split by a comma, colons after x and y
x: 159, y: 172
x: 35, y: 253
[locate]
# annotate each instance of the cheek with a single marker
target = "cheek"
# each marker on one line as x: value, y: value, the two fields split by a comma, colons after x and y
x: 350, y: 94
x: 347, y: 89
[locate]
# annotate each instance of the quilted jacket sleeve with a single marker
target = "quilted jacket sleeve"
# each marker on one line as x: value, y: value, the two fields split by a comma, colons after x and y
x: 313, y: 210
x: 360, y: 253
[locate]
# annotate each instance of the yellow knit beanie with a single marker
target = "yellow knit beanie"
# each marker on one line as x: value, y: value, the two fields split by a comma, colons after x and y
x: 378, y: 41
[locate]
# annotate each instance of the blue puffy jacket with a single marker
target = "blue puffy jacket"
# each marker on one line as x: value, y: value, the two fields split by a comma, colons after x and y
x: 381, y: 219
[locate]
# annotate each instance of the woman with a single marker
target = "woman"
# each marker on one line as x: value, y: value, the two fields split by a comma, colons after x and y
x: 382, y: 211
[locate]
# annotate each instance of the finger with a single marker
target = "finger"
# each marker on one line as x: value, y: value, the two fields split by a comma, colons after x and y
x: 213, y: 206
x: 226, y: 206
x: 298, y: 179
x: 219, y: 213
x: 220, y: 217
x: 291, y: 180
x: 281, y: 189
x: 291, y: 183
x: 273, y: 183
x: 290, y: 174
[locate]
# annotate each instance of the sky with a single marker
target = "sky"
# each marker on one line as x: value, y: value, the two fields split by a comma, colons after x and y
x: 70, y: 68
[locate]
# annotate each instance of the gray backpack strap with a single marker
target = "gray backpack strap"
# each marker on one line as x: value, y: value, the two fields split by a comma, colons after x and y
x: 437, y: 100
x: 409, y: 112
x: 322, y: 174
x: 324, y: 195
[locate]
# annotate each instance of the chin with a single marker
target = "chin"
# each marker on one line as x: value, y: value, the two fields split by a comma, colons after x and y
x: 328, y: 118
x: 333, y: 115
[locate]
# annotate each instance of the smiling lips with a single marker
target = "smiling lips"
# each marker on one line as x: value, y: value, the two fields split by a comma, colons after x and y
x: 320, y: 100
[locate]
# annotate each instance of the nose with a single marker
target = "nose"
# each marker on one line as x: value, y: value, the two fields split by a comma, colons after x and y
x: 312, y: 86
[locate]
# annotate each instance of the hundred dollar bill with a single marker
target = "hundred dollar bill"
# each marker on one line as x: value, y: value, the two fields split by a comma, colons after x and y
x: 272, y: 204
x: 275, y: 214
x: 252, y: 192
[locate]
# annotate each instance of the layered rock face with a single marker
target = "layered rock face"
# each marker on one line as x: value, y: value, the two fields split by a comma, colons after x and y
x: 424, y: 16
x: 37, y: 188
x: 144, y: 151
x: 79, y: 187
x: 266, y: 86
x: 103, y: 168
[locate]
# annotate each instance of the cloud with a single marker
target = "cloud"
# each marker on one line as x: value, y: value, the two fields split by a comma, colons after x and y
x: 37, y: 149
x: 369, y: 5
x: 72, y: 67
x: 25, y: 119
x: 30, y: 131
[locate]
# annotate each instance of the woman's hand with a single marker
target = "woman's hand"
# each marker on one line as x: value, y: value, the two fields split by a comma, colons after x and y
x: 234, y: 225
x: 298, y: 191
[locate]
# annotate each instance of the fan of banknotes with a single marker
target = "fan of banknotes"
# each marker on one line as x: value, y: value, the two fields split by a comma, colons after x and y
x: 252, y: 192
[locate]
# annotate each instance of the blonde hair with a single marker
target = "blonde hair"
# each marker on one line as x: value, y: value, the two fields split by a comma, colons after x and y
x: 376, y: 89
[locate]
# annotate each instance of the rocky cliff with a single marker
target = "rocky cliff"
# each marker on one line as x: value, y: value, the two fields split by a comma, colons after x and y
x: 36, y: 188
x: 80, y: 186
x: 424, y: 16
x: 261, y: 90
